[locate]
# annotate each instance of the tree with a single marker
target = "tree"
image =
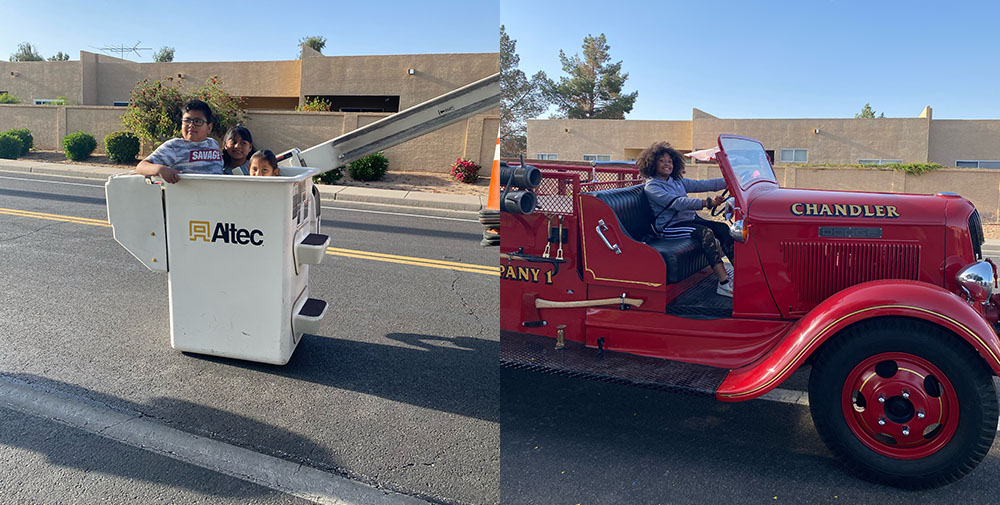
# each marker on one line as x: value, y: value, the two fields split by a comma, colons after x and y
x: 520, y: 98
x: 593, y: 89
x: 316, y: 42
x: 164, y: 55
x: 60, y: 56
x: 26, y: 52
x: 867, y: 113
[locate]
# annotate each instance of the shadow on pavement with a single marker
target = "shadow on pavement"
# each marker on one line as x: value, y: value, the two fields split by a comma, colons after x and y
x: 32, y: 438
x: 459, y: 375
x: 612, y: 444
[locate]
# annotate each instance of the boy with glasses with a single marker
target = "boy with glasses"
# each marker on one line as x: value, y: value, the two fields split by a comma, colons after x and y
x: 196, y: 153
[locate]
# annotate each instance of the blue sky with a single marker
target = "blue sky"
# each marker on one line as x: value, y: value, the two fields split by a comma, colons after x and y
x: 779, y: 59
x: 251, y: 30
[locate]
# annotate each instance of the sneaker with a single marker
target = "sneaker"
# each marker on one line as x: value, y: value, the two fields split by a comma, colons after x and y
x: 725, y: 289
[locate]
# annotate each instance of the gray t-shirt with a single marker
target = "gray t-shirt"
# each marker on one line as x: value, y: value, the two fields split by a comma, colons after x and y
x: 203, y: 157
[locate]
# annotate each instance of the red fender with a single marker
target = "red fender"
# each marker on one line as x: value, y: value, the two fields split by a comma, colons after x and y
x: 862, y: 301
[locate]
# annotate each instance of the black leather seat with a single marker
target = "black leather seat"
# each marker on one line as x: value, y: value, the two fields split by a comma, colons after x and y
x: 682, y: 255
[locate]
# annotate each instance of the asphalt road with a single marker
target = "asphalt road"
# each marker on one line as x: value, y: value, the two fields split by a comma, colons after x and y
x: 571, y: 441
x: 580, y: 442
x: 399, y: 391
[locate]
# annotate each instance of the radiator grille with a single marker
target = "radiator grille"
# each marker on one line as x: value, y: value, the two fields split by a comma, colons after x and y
x: 976, y: 231
x: 819, y: 269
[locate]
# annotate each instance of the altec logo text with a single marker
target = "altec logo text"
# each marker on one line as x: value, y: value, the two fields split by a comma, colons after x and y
x: 224, y: 232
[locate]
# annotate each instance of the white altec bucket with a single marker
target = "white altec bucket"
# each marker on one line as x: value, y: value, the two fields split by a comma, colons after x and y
x: 236, y: 250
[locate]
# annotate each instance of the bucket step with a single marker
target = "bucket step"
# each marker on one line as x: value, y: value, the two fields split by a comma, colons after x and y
x: 311, y: 249
x: 308, y: 318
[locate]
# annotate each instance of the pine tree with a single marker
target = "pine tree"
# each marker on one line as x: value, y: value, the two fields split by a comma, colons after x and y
x: 593, y: 89
x: 867, y: 113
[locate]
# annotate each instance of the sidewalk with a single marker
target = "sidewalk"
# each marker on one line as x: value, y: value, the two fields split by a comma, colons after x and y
x: 328, y: 193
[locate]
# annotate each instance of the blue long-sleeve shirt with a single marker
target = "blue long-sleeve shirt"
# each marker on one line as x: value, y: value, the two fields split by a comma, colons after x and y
x: 682, y: 209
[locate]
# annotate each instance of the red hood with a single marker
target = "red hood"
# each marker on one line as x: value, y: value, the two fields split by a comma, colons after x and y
x: 848, y: 207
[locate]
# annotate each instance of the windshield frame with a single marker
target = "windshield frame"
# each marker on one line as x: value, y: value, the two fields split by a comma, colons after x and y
x: 741, y: 186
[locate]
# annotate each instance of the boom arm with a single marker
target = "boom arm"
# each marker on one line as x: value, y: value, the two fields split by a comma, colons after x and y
x: 418, y: 120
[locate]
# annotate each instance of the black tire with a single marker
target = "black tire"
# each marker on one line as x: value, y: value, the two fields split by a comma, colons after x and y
x: 965, y: 373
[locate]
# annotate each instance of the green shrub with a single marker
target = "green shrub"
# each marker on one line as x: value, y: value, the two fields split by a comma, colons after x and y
x: 27, y: 140
x: 6, y: 97
x: 79, y: 145
x: 315, y: 104
x: 915, y: 168
x: 122, y: 147
x: 10, y: 146
x: 154, y: 109
x: 370, y: 168
x: 330, y: 177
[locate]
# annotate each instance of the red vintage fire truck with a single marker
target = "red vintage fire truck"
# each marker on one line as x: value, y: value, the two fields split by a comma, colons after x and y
x: 886, y: 296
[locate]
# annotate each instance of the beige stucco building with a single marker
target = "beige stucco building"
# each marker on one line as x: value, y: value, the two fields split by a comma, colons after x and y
x: 362, y: 90
x: 961, y: 143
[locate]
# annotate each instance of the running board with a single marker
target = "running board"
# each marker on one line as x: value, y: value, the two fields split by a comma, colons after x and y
x: 522, y: 351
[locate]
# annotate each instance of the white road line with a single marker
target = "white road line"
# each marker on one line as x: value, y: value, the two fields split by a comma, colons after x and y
x: 401, y: 214
x: 54, y: 182
x: 136, y: 430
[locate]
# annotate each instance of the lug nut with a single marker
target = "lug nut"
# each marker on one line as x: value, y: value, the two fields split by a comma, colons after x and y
x: 906, y: 394
x: 906, y: 431
x: 881, y: 421
x: 920, y: 414
x: 881, y: 398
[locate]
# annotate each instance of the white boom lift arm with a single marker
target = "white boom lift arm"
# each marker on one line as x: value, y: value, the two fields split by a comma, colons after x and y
x: 451, y: 107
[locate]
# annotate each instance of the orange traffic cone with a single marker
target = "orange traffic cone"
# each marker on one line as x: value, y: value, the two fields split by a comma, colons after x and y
x: 494, y: 201
x: 490, y: 216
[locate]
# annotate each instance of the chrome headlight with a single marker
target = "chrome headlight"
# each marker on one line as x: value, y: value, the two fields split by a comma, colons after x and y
x: 977, y: 279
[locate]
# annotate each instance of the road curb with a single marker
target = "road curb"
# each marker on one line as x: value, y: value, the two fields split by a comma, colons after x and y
x: 328, y: 193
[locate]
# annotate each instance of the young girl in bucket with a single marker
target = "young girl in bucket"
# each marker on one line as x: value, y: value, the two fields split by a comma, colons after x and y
x: 264, y: 163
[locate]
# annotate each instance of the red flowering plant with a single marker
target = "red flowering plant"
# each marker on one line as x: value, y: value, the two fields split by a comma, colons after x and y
x: 466, y: 171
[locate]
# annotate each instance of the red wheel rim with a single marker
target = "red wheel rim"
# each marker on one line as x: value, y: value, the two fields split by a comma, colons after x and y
x: 900, y: 405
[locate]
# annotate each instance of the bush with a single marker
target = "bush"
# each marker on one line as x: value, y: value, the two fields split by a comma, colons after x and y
x: 315, y: 104
x: 370, y: 168
x: 122, y: 147
x: 10, y: 146
x: 466, y: 171
x: 26, y: 139
x: 330, y: 177
x: 6, y: 97
x: 154, y: 109
x: 227, y: 109
x: 916, y: 168
x: 79, y: 145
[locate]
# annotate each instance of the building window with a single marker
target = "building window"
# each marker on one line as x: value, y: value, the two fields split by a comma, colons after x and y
x: 50, y: 101
x: 547, y: 156
x: 879, y: 162
x: 993, y: 164
x: 119, y: 103
x: 596, y: 157
x: 794, y: 156
x: 359, y: 103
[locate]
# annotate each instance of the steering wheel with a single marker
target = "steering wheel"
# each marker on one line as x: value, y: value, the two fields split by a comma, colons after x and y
x: 719, y: 208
